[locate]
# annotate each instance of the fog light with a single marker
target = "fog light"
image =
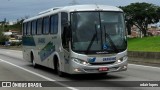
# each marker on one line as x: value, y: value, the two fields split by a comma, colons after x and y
x: 85, y: 63
x: 124, y: 67
x: 77, y: 70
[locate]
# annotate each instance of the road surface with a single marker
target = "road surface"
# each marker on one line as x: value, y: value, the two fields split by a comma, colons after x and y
x: 14, y: 68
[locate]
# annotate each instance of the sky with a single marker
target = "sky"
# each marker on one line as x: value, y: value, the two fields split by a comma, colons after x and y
x: 17, y: 9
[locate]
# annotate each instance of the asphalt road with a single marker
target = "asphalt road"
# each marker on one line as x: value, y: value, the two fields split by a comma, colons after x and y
x: 14, y: 68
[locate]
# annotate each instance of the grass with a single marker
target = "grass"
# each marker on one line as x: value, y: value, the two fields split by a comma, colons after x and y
x: 146, y: 44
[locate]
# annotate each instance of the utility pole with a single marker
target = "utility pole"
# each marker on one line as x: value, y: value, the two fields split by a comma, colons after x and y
x: 3, y: 25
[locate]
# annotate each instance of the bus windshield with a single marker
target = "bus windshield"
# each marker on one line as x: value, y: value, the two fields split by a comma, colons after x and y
x: 98, y: 32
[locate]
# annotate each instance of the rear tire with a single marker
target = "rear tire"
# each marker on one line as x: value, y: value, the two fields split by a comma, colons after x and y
x: 33, y: 61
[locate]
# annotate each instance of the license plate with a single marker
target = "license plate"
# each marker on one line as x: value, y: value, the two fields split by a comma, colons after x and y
x: 103, y: 69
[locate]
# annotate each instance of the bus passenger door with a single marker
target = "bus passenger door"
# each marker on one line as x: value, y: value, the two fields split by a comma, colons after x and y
x: 65, y: 35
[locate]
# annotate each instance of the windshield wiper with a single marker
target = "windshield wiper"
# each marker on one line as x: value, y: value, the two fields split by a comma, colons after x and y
x: 110, y: 41
x: 93, y: 38
x: 90, y: 44
x: 96, y: 33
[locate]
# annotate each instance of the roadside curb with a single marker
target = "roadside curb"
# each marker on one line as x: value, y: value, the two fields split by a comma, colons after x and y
x: 144, y: 61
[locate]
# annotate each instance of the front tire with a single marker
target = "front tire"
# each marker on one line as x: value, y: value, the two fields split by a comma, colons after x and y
x: 34, y: 64
x: 60, y: 73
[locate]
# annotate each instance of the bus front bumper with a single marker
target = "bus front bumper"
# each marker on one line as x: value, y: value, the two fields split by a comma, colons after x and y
x: 77, y: 68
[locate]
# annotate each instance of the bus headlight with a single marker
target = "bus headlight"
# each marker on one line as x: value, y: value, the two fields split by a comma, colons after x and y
x: 81, y: 61
x: 121, y: 59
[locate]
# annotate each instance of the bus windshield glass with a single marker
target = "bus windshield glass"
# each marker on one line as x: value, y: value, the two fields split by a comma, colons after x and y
x: 98, y: 32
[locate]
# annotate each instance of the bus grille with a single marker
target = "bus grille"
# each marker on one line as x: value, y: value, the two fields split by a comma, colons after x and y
x: 102, y: 63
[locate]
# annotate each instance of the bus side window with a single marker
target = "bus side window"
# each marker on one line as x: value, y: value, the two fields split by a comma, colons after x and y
x: 29, y: 28
x: 54, y: 24
x: 64, y: 30
x: 24, y: 29
x: 46, y: 25
x: 33, y: 32
x: 39, y: 26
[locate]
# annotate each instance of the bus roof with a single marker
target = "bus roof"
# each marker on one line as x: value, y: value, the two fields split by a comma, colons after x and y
x: 90, y: 8
x: 74, y: 8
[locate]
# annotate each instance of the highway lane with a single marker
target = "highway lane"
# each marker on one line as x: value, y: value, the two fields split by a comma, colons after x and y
x: 9, y: 72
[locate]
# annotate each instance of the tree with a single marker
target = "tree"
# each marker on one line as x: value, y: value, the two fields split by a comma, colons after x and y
x: 140, y: 15
x: 2, y: 38
x: 158, y: 12
x: 3, y: 24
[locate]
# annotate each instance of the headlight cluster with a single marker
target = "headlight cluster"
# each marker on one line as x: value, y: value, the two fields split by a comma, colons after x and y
x: 122, y: 58
x: 81, y: 61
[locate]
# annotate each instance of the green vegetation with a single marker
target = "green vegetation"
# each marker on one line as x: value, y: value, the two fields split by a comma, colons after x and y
x: 16, y: 27
x: 5, y: 27
x: 140, y: 15
x: 147, y: 44
x: 3, y: 38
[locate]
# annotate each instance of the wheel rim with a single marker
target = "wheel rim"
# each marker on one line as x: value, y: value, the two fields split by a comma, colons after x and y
x: 33, y: 63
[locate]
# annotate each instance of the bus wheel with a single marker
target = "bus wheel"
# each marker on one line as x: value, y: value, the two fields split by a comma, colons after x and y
x: 60, y: 73
x: 34, y: 64
x: 33, y: 61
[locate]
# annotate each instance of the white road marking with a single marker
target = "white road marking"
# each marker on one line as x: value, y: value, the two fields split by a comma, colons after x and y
x: 145, y: 66
x: 11, y: 50
x: 44, y: 77
x: 7, y: 52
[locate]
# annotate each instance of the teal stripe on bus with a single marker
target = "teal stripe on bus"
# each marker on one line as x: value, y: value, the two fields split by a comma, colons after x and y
x: 47, y: 51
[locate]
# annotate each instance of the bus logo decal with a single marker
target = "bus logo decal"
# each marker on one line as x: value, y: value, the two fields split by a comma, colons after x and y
x: 91, y: 60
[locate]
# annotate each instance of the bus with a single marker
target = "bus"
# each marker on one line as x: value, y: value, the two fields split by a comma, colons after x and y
x: 77, y: 39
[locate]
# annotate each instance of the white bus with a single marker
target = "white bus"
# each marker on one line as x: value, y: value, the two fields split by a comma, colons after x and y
x: 77, y: 39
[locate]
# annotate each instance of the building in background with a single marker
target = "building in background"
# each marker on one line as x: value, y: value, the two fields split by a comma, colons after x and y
x: 153, y: 30
x: 13, y: 36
